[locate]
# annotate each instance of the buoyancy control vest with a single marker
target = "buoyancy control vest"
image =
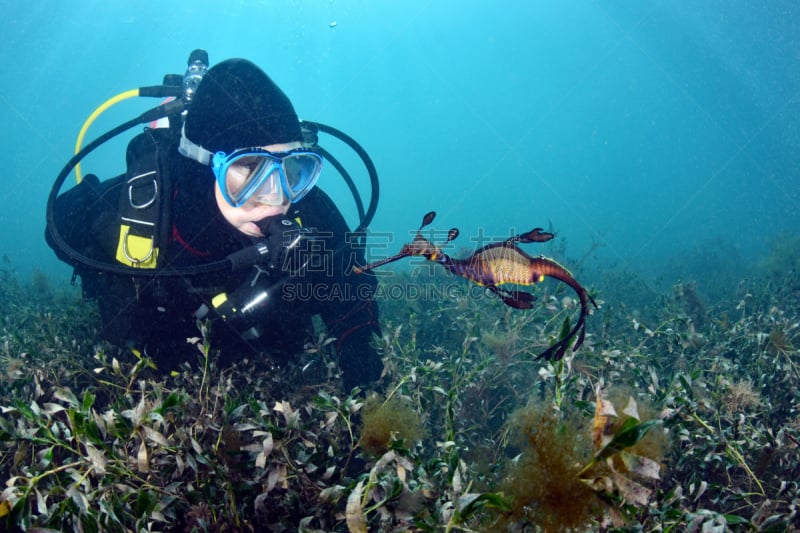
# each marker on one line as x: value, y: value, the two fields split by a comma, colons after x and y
x: 144, y: 203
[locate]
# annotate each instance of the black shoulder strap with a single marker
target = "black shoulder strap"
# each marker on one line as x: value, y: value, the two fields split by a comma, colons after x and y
x: 144, y: 201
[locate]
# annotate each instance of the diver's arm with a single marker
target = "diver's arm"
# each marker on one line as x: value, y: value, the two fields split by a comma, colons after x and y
x: 350, y: 312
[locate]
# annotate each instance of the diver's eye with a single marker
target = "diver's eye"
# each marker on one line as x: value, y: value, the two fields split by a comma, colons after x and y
x: 250, y: 164
x: 237, y: 176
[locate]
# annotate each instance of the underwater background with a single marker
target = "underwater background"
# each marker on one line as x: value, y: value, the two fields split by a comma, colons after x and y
x: 657, y: 130
x: 658, y: 140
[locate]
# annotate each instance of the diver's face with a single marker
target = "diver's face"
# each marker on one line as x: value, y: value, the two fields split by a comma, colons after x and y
x: 244, y: 218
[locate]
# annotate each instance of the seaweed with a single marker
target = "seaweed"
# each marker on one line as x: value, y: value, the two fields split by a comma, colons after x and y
x: 681, y: 414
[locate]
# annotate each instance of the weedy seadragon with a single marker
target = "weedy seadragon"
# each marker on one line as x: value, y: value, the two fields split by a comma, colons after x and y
x: 498, y: 264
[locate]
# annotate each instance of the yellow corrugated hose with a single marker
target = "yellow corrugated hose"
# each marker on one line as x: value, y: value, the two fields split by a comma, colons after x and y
x: 96, y: 113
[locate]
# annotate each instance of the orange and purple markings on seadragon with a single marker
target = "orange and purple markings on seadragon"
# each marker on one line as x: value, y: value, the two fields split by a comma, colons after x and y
x: 498, y: 264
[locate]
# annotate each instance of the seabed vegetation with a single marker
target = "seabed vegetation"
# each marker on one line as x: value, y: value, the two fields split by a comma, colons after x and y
x: 679, y: 413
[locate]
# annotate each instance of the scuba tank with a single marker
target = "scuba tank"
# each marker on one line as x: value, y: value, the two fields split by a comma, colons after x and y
x: 196, y: 69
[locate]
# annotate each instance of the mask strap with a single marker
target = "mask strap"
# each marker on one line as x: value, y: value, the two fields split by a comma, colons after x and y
x: 193, y: 151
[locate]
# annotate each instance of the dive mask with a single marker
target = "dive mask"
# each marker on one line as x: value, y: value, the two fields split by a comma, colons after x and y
x: 269, y: 178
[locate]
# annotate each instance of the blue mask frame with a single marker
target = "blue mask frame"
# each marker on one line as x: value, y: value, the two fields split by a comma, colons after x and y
x: 243, y: 173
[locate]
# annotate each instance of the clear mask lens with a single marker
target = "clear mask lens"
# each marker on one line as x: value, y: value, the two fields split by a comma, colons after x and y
x: 272, y: 179
x: 270, y: 192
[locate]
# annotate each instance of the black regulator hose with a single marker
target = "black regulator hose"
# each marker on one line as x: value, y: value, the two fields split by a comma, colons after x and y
x: 170, y: 108
x: 347, y: 179
x: 364, y: 217
x: 236, y: 260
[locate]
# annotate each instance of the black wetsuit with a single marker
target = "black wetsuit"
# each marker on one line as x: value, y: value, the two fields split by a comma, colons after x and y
x: 158, y: 314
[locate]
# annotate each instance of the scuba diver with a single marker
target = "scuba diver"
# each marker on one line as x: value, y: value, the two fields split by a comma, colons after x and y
x: 218, y: 217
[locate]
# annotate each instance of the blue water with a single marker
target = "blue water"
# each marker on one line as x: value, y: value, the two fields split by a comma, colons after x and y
x: 654, y: 128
